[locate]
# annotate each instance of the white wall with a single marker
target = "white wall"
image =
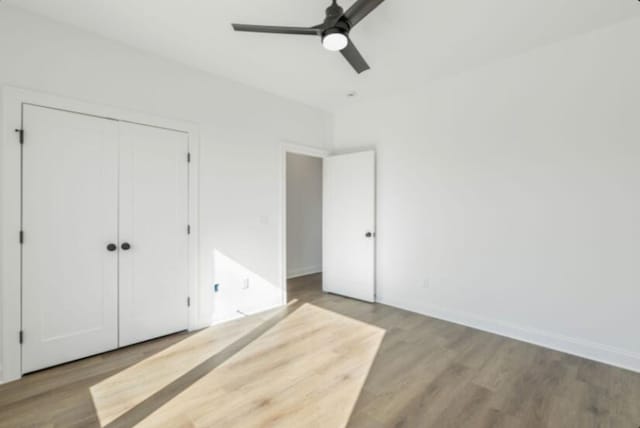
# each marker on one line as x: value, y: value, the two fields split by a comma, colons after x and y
x: 509, y: 196
x: 241, y: 132
x: 304, y: 215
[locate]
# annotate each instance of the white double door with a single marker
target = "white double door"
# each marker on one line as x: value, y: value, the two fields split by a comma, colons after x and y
x: 104, y: 253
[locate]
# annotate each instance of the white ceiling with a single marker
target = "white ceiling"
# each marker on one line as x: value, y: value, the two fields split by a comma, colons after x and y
x: 405, y: 41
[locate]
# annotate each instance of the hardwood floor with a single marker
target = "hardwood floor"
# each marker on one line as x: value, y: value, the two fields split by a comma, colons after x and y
x: 306, y: 365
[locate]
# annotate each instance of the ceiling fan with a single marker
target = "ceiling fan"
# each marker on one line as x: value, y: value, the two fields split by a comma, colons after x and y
x: 334, y: 31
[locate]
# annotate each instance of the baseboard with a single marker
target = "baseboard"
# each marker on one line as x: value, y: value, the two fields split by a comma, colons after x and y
x: 579, y: 347
x: 298, y: 272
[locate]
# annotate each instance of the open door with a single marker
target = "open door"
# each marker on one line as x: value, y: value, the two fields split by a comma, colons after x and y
x: 349, y: 225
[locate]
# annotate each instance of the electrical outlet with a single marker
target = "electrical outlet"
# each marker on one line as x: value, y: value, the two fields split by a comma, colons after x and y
x: 425, y: 283
x: 245, y: 284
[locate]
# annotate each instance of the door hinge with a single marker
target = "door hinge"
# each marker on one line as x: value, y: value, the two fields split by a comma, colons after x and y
x: 188, y: 302
x: 22, y: 237
x: 189, y: 229
x: 21, y: 336
x: 189, y: 157
x: 20, y: 135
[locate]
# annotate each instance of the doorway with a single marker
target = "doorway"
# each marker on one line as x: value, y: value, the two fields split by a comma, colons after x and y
x: 341, y: 213
x: 303, y: 204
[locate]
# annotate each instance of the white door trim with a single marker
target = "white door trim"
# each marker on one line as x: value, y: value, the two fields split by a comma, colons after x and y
x: 10, y: 206
x: 300, y: 150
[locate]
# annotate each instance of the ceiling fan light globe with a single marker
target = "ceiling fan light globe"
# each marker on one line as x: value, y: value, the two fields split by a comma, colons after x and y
x: 335, y: 41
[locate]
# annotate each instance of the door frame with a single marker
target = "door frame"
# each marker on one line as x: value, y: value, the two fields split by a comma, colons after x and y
x: 299, y: 150
x: 13, y: 99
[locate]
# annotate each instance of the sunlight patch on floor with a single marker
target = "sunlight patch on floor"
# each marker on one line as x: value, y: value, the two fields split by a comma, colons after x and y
x: 307, y: 370
x: 118, y: 394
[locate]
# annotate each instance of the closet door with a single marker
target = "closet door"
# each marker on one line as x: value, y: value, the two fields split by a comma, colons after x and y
x: 153, y: 232
x: 70, y: 214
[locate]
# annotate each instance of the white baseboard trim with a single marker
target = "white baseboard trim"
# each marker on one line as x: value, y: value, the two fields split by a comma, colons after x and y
x: 298, y: 272
x: 579, y: 347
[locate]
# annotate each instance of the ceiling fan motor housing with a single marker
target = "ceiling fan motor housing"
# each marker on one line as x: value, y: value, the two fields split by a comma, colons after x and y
x: 339, y: 28
x: 336, y: 38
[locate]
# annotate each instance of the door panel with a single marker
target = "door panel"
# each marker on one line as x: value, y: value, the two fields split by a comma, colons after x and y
x: 349, y: 225
x: 153, y: 220
x: 70, y: 213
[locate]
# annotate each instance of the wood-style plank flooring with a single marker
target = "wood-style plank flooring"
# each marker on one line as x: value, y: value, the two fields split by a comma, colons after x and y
x: 422, y: 372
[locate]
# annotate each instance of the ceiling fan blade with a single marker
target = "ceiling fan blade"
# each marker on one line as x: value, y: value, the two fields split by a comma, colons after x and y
x: 277, y: 30
x: 360, y: 10
x: 351, y: 54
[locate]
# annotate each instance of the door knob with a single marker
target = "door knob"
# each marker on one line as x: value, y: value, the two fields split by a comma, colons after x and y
x: 368, y: 234
x: 125, y: 246
x: 112, y: 247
